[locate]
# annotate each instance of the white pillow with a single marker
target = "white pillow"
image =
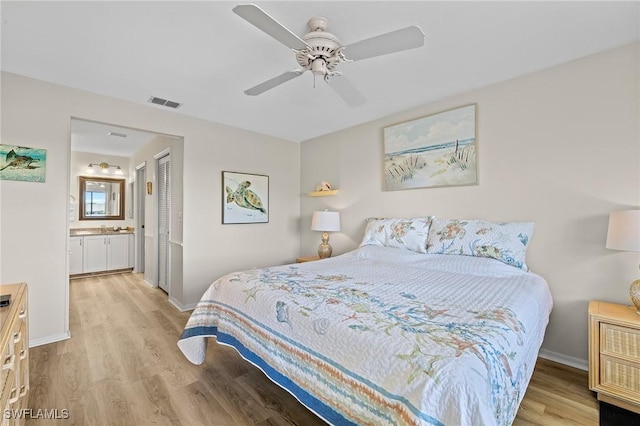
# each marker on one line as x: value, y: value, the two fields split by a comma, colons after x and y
x: 505, y: 241
x: 405, y: 233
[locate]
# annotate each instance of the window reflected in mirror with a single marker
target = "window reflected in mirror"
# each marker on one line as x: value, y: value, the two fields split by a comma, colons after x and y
x: 101, y: 198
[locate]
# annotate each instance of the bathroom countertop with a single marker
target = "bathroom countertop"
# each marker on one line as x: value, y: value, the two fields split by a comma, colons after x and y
x: 79, y: 232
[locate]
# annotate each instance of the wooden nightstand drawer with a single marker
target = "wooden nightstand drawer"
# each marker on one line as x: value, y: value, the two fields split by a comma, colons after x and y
x: 614, y: 354
x: 619, y: 341
x: 620, y: 375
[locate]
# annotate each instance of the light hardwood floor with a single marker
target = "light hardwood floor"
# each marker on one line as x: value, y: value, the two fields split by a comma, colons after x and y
x: 122, y: 367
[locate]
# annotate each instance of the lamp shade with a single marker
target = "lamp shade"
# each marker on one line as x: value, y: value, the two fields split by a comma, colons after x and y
x: 325, y: 221
x: 624, y: 230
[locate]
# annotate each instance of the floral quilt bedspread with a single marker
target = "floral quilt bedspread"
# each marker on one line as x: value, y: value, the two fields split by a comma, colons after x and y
x: 383, y: 335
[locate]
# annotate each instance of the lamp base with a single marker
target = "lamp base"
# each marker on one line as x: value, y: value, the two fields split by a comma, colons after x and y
x: 634, y: 292
x: 324, y: 249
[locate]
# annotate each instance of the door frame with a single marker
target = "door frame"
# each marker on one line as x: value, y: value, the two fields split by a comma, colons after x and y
x: 156, y: 250
x: 141, y: 178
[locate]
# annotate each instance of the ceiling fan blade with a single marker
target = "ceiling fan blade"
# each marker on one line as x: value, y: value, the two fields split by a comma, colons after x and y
x: 275, y: 81
x: 395, y: 41
x: 346, y: 91
x: 258, y: 17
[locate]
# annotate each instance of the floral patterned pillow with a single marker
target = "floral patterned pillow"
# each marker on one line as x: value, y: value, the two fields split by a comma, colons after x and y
x: 506, y: 241
x: 409, y: 234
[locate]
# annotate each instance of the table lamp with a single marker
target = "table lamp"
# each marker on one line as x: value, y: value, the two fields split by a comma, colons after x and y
x: 624, y: 234
x: 326, y: 222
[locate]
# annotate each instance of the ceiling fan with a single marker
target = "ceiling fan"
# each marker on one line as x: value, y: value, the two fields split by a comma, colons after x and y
x: 320, y: 51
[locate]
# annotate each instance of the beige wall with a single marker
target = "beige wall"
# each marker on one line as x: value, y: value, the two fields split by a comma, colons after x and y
x: 148, y: 155
x: 560, y: 147
x: 34, y: 219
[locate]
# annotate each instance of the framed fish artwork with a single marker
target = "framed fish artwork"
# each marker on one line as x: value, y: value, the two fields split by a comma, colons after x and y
x: 434, y: 151
x: 22, y: 163
x: 245, y: 198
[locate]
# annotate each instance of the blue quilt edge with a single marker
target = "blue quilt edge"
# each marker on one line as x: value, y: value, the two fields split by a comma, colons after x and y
x: 311, y: 402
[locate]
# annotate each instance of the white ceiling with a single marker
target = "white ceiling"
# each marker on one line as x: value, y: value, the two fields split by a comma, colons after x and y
x: 203, y: 55
x: 88, y: 136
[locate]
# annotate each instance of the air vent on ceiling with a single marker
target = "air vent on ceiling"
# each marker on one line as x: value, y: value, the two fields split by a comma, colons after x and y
x: 116, y: 134
x: 164, y: 102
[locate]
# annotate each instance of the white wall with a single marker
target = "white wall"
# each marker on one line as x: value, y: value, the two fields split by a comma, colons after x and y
x: 34, y: 219
x: 560, y: 147
x: 78, y: 167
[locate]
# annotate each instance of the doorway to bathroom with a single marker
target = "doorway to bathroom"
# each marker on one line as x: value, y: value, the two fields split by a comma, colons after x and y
x: 138, y: 157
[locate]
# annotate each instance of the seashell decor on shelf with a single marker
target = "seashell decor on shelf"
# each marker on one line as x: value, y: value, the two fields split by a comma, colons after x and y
x: 323, y: 190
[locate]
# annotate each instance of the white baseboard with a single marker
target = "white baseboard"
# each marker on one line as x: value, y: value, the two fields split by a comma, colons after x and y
x: 571, y: 361
x: 152, y: 285
x: 180, y: 307
x: 49, y: 339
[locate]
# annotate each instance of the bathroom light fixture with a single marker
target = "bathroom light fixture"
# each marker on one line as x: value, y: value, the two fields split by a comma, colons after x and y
x: 104, y: 168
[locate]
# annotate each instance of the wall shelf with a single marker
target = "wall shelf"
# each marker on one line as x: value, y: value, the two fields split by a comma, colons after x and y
x: 323, y: 193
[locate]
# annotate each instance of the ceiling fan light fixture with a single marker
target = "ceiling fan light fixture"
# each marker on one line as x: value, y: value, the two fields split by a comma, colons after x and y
x: 319, y: 67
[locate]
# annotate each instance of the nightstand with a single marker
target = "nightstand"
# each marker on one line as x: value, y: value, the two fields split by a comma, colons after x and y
x: 307, y: 259
x: 614, y: 354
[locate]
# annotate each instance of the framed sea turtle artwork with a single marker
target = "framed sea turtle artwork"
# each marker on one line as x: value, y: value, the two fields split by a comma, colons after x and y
x: 22, y: 163
x: 245, y: 198
x: 438, y: 150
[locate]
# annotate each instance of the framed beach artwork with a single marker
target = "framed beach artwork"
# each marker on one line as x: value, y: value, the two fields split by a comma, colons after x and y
x: 245, y: 198
x: 434, y: 151
x: 22, y: 163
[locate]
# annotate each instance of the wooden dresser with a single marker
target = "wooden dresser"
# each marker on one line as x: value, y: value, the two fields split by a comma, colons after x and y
x: 614, y: 354
x: 14, y: 376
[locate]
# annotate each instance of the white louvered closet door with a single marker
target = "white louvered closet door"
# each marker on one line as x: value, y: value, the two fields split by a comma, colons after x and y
x: 164, y: 221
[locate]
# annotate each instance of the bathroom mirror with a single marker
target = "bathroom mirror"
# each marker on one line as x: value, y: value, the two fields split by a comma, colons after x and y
x: 101, y: 198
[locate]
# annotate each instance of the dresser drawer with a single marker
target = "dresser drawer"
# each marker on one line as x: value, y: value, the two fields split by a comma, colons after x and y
x: 7, y: 372
x: 620, y: 374
x: 6, y: 395
x: 621, y: 342
x: 14, y: 352
x: 10, y: 358
x: 22, y: 312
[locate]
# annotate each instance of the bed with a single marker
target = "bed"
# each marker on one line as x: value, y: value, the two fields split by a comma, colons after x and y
x: 385, y: 335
